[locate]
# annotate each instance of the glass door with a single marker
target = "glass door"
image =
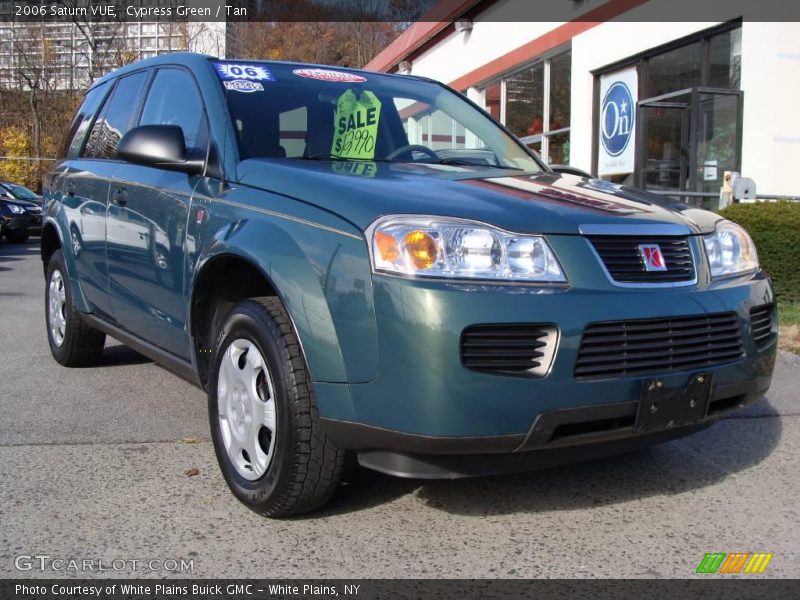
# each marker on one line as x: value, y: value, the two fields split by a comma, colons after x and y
x: 686, y: 141
x: 718, y: 138
x: 663, y: 152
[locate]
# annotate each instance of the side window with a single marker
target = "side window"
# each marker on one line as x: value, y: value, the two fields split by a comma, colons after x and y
x: 116, y: 118
x: 293, y: 127
x: 83, y: 119
x: 174, y: 100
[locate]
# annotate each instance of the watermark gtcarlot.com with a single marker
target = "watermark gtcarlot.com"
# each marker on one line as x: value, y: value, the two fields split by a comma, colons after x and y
x: 58, y: 564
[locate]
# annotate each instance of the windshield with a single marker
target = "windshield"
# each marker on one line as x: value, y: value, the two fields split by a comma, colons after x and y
x: 286, y: 111
x: 19, y: 192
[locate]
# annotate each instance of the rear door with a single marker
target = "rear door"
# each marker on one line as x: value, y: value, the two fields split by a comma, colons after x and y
x: 147, y: 264
x: 86, y: 181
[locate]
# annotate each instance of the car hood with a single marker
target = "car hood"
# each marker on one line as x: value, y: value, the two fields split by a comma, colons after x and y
x: 546, y: 202
x: 26, y: 204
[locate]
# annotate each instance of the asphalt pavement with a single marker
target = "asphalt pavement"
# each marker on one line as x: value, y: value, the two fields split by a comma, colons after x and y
x: 98, y: 464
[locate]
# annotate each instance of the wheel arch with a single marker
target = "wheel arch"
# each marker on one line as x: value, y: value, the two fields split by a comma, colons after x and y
x: 52, y: 239
x: 49, y: 242
x: 228, y: 275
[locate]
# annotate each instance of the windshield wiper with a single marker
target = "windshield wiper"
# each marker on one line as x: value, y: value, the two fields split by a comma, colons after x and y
x: 468, y: 163
x: 322, y: 156
x: 441, y: 161
x: 328, y: 156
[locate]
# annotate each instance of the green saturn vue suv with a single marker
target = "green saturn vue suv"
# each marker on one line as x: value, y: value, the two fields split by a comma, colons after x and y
x: 361, y: 264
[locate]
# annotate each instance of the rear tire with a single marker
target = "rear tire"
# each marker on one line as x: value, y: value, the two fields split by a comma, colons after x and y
x: 264, y: 421
x: 73, y: 342
x: 16, y: 238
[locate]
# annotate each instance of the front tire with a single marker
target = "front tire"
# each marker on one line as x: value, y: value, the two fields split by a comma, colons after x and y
x: 73, y: 342
x: 264, y: 420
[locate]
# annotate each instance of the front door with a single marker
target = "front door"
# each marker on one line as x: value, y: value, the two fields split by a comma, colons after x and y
x: 147, y: 236
x: 145, y: 254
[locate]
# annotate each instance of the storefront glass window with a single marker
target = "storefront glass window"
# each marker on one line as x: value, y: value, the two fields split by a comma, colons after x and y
x: 675, y: 70
x: 536, y: 147
x: 491, y: 99
x: 558, y: 148
x: 725, y: 59
x: 560, y: 71
x: 525, y: 101
x: 540, y: 120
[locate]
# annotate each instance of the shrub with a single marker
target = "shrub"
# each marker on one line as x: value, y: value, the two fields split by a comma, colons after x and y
x: 775, y: 229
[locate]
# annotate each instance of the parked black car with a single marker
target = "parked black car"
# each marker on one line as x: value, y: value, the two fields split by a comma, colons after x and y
x: 20, y: 212
x: 16, y: 191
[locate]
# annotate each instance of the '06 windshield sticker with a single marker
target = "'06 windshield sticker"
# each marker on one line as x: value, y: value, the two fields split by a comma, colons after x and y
x: 242, y: 85
x: 356, y: 125
x: 328, y: 75
x: 242, y: 71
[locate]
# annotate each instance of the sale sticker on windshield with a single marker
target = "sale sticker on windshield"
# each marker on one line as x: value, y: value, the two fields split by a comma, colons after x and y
x: 243, y: 71
x: 356, y: 125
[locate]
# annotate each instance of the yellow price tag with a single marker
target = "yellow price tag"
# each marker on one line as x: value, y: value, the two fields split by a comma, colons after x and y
x: 356, y: 125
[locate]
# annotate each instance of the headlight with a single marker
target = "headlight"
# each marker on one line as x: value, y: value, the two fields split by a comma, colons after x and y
x: 459, y: 249
x: 16, y: 209
x: 730, y: 250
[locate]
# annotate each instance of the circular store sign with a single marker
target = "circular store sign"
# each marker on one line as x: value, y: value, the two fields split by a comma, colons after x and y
x: 617, y: 119
x: 327, y: 75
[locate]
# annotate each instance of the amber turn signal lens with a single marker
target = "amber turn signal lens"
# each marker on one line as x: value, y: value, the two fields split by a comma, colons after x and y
x: 421, y: 248
x: 387, y: 246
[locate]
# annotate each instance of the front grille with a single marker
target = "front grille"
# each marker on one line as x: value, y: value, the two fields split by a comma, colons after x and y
x: 643, y: 346
x: 761, y: 323
x: 509, y: 348
x: 624, y: 262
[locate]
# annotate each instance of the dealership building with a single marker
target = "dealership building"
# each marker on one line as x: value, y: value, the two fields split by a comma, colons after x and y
x: 614, y: 89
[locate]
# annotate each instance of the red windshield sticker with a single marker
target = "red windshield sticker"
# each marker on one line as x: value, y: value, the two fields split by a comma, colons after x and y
x: 326, y: 75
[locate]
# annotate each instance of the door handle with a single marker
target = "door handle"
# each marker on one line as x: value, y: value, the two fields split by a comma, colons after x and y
x: 120, y: 196
x: 70, y: 188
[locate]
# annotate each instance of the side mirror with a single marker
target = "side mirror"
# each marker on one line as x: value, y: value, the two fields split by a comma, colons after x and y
x: 570, y: 170
x: 159, y: 146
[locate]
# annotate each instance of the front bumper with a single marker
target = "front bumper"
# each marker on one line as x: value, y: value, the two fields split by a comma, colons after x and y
x: 556, y: 437
x: 425, y: 404
x: 23, y: 224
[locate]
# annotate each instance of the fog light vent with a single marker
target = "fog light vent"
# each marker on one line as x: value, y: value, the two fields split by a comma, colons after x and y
x: 522, y: 349
x: 761, y: 324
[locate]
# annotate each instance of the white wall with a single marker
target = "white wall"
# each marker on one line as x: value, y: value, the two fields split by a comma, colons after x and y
x: 497, y: 31
x: 460, y: 53
x: 771, y: 84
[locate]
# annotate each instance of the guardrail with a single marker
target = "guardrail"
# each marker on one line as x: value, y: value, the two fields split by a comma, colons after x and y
x: 25, y: 158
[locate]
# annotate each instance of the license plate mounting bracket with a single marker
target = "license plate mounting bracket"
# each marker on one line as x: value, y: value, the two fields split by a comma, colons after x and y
x: 662, y: 407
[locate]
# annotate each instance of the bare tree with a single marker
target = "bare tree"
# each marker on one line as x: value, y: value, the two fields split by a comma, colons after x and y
x: 348, y: 32
x: 33, y: 106
x: 35, y: 71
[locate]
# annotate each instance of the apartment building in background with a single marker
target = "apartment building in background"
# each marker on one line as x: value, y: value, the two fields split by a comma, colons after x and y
x: 69, y: 55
